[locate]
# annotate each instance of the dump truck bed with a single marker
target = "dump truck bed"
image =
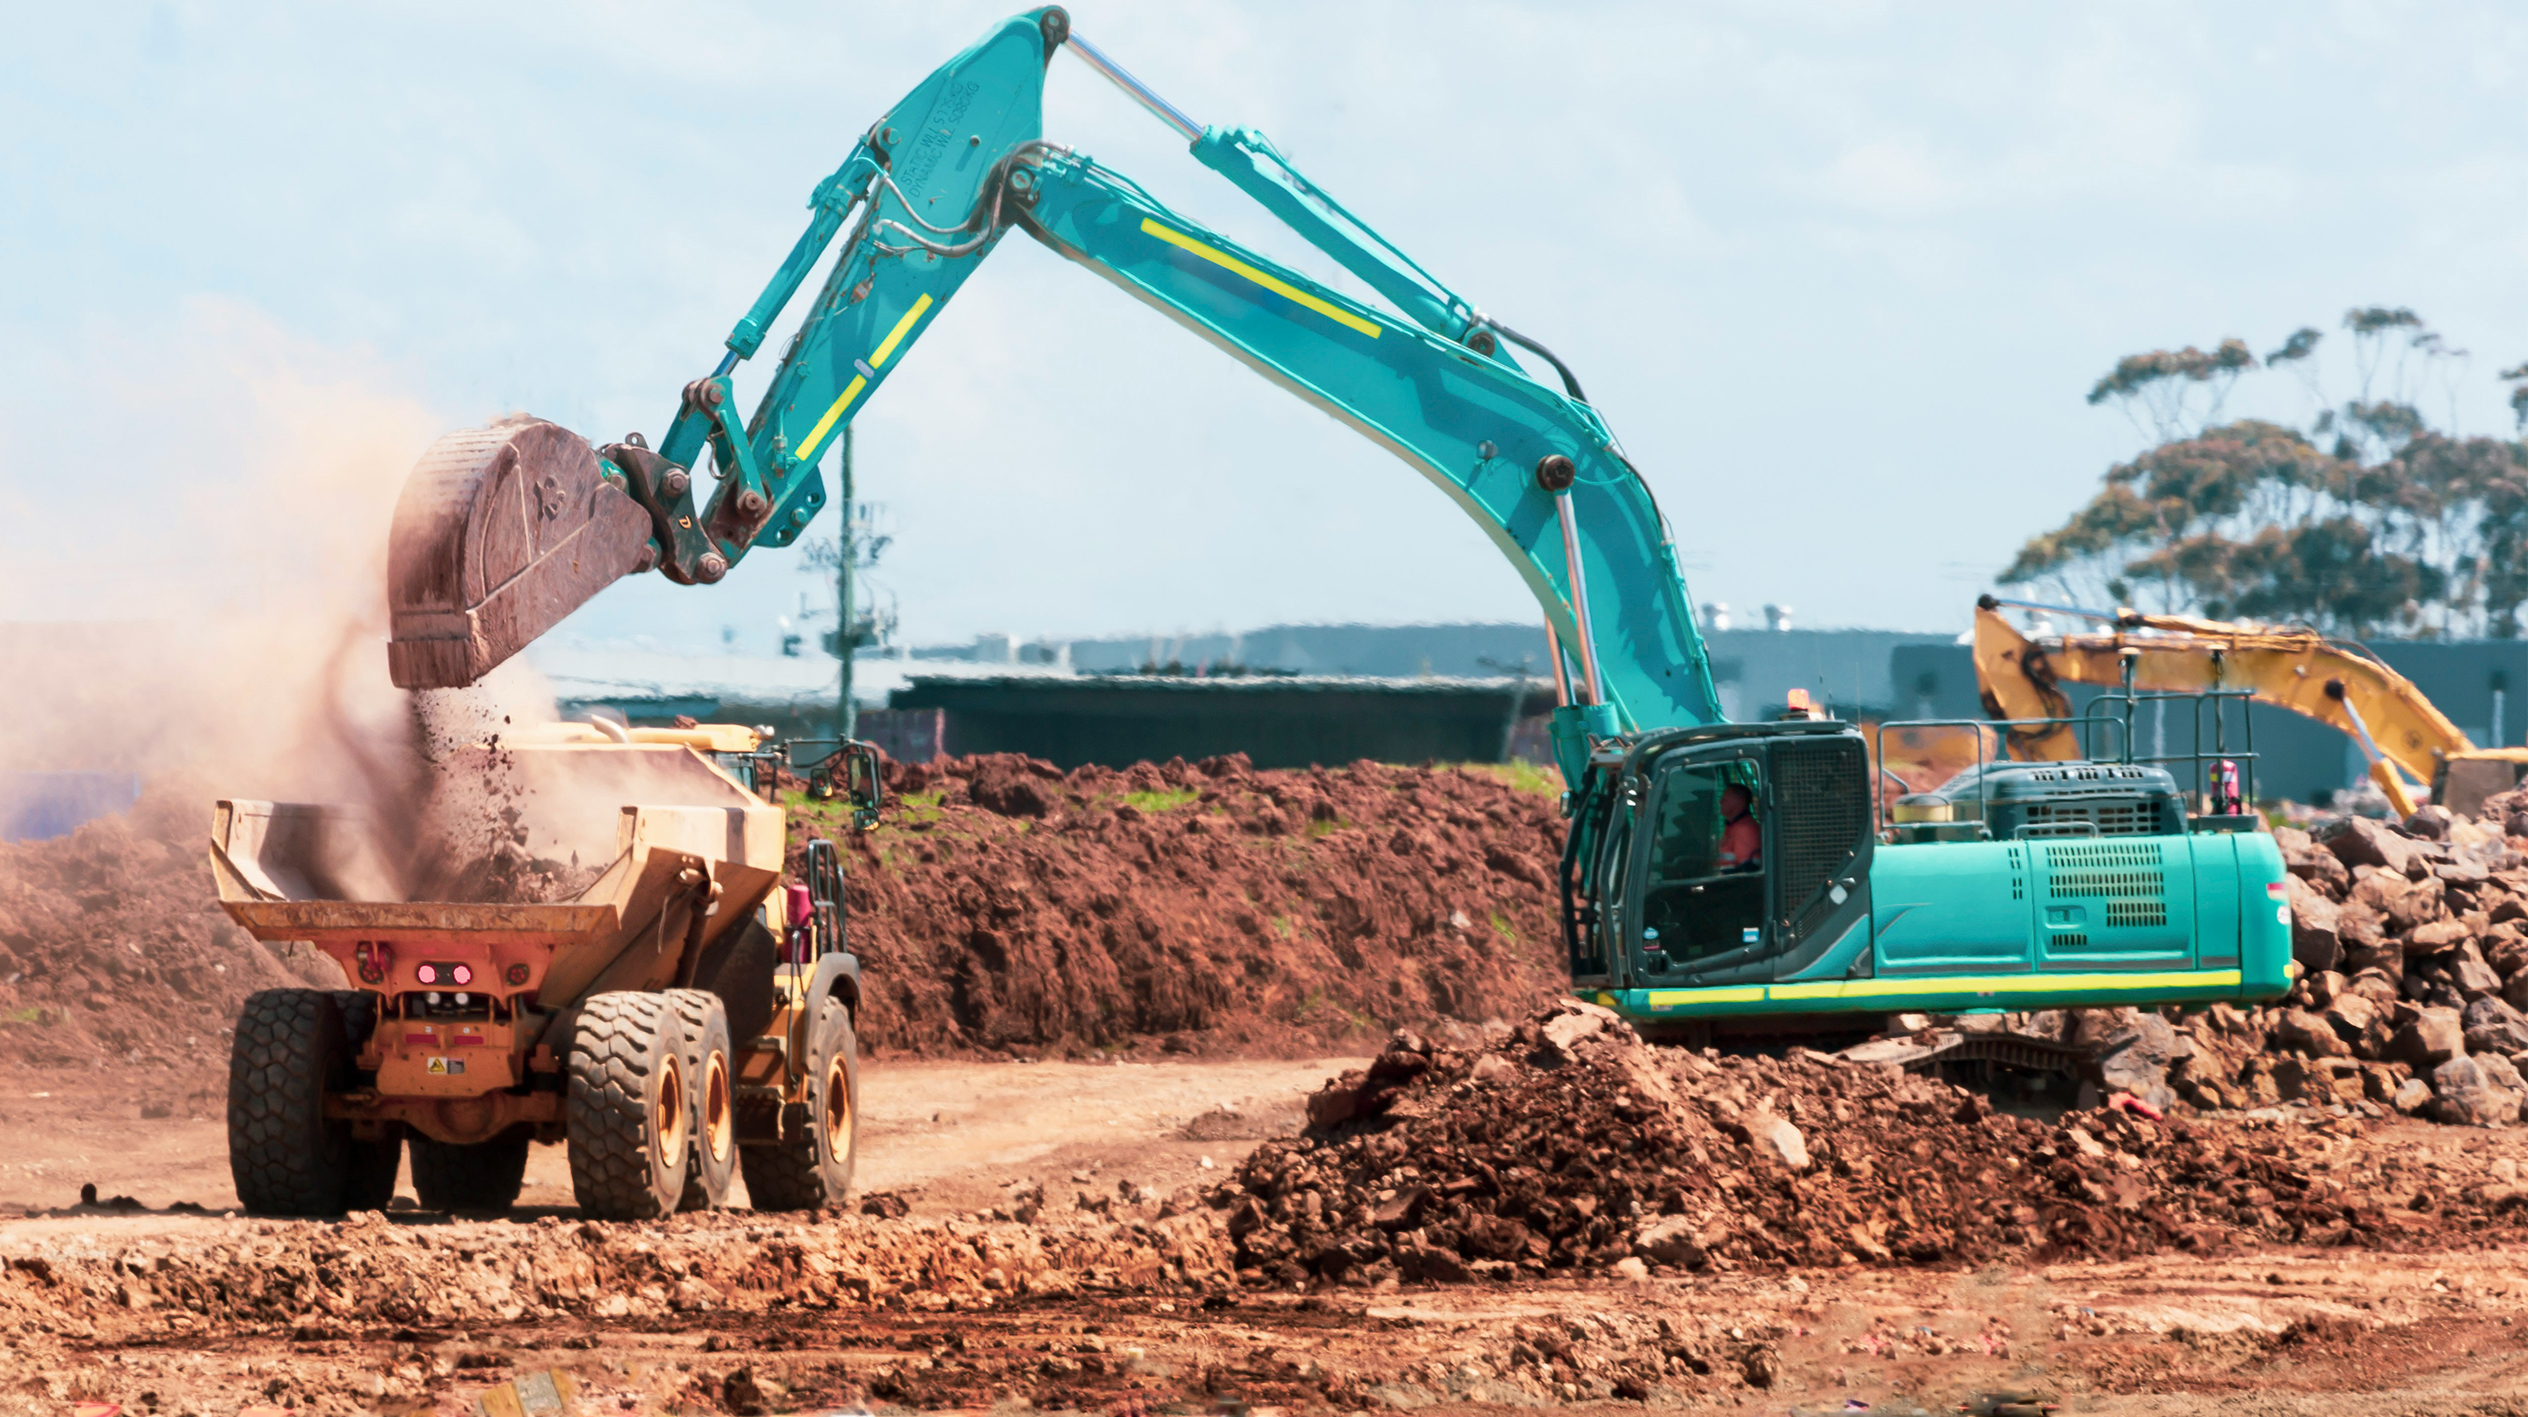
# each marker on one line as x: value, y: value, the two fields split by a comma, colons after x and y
x: 677, y: 837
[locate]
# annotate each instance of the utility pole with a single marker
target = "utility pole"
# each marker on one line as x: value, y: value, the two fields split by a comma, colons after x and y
x: 846, y: 716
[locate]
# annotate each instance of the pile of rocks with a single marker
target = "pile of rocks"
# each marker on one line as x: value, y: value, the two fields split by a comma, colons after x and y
x: 1569, y: 1145
x: 2414, y: 937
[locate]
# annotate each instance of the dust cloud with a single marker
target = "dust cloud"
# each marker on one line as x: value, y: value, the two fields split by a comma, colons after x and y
x: 209, y: 608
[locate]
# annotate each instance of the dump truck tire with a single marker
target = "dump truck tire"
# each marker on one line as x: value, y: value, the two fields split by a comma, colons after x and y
x: 629, y: 1109
x: 812, y: 1166
x: 714, y: 1089
x: 285, y: 1155
x: 477, y: 1177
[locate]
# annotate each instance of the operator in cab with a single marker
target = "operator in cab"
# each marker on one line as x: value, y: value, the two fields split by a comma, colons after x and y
x: 1741, y: 838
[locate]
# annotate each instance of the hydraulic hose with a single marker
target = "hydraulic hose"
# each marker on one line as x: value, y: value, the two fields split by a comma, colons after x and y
x: 1569, y: 383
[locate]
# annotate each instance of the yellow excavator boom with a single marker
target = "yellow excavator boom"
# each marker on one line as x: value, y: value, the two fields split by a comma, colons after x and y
x: 2301, y: 670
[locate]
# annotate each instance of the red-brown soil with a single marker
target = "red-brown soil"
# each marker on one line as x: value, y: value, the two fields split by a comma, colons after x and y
x: 1570, y: 1145
x: 1119, y: 1307
x: 1000, y: 908
x: 1003, y: 905
x: 113, y: 947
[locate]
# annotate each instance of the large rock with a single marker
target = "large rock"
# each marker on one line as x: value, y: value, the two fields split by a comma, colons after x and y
x: 2313, y: 863
x: 2430, y: 986
x: 2505, y: 946
x: 2437, y: 936
x: 2207, y: 1078
x: 2360, y: 926
x: 2434, y: 1037
x: 2475, y: 979
x: 2319, y: 1080
x: 2358, y: 841
x: 1777, y: 1139
x: 2404, y: 905
x: 2503, y: 1072
x: 1563, y: 1032
x: 2314, y: 942
x: 2303, y: 1032
x: 2515, y: 991
x: 2465, y: 1094
x: 1672, y: 1239
x: 2358, y: 1020
x: 2378, y: 986
x: 2495, y: 1027
x: 2429, y: 822
x: 2133, y: 1050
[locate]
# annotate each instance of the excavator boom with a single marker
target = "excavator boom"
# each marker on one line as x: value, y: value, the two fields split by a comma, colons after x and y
x: 504, y: 531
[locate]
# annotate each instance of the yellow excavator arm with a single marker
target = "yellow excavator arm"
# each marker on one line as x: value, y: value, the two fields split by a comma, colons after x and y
x: 2301, y: 670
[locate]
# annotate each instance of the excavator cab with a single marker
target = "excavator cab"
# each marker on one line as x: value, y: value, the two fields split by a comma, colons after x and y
x: 1664, y: 893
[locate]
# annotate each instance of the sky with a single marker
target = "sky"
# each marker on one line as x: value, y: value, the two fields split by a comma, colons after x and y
x: 1839, y: 275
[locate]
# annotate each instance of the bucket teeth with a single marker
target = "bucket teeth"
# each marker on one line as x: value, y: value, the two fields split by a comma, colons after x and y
x: 501, y: 532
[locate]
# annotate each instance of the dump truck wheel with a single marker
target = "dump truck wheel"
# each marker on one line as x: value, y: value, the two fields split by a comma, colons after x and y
x: 812, y: 1166
x: 628, y: 1112
x: 714, y: 1088
x: 481, y: 1176
x: 285, y: 1155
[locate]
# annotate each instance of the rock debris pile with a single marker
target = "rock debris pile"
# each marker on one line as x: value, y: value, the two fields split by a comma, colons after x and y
x: 1571, y: 1146
x: 2415, y: 939
x: 1005, y: 906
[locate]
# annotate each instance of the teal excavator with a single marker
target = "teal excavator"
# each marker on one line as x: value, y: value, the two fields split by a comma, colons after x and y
x: 1718, y: 878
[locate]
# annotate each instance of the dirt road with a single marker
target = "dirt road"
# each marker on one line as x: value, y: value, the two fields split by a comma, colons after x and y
x: 1132, y: 1312
x: 948, y: 1133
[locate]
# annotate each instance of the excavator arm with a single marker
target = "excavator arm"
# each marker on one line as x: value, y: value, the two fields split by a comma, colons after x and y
x: 2336, y: 684
x: 921, y: 201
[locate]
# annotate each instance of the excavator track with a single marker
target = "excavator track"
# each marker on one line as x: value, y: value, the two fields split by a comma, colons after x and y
x: 500, y: 533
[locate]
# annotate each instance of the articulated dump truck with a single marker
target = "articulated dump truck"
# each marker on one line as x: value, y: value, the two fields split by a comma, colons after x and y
x: 682, y: 1014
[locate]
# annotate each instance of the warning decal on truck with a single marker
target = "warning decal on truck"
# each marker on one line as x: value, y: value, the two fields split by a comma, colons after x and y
x: 447, y: 1067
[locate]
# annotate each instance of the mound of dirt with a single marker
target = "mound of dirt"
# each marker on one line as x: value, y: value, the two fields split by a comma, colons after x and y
x: 1569, y: 1145
x: 1004, y: 905
x: 113, y: 947
x: 1001, y: 907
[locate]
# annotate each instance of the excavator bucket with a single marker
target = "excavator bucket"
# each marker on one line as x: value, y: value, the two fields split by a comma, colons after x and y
x: 500, y: 533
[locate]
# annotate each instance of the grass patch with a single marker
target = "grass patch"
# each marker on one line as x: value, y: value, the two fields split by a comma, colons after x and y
x: 1522, y: 777
x: 1502, y: 927
x: 1166, y: 799
x: 32, y: 1013
x: 1317, y: 829
x: 1284, y: 927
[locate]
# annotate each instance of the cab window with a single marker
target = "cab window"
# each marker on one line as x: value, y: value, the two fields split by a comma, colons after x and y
x: 1704, y: 896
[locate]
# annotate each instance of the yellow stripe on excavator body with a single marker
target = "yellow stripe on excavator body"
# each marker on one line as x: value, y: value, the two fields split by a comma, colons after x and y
x: 1270, y: 282
x: 886, y: 349
x: 1845, y: 993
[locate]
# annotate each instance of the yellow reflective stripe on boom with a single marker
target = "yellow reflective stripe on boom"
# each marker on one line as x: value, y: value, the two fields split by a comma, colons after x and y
x: 1273, y: 283
x: 886, y: 348
x: 1955, y: 984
